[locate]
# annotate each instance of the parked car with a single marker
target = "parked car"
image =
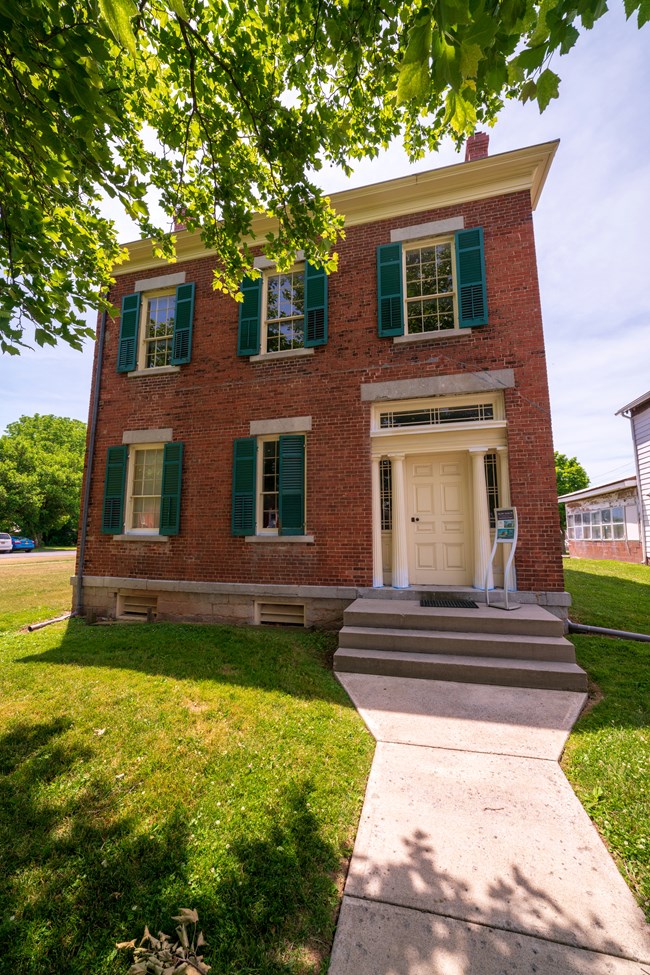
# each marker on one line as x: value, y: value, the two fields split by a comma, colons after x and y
x: 22, y: 544
x: 6, y: 544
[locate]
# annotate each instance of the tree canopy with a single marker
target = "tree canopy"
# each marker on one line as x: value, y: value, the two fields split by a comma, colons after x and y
x: 41, y: 468
x: 226, y: 109
x: 570, y: 476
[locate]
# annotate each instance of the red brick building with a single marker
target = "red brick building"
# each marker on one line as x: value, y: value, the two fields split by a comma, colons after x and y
x: 327, y: 438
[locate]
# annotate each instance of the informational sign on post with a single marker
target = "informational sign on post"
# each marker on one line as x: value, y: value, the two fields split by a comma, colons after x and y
x: 506, y: 519
x: 506, y: 532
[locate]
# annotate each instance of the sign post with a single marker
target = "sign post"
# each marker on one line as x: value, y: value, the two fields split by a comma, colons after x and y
x: 506, y: 533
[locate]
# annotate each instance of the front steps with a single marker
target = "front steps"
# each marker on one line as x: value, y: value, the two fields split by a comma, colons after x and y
x: 399, y: 638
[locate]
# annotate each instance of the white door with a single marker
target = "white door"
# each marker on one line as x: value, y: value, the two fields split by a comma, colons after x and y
x: 439, y: 520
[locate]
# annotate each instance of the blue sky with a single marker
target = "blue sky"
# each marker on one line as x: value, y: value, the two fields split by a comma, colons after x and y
x: 592, y: 227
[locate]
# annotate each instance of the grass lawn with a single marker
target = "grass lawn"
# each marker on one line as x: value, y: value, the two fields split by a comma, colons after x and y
x: 144, y: 768
x: 607, y: 758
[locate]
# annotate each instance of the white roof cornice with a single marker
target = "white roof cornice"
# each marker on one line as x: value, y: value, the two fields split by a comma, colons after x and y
x: 508, y: 172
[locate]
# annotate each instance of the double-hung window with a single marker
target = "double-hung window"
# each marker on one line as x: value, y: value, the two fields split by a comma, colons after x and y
x: 268, y: 487
x: 142, y: 489
x: 156, y: 329
x: 432, y: 285
x: 430, y: 299
x: 283, y: 312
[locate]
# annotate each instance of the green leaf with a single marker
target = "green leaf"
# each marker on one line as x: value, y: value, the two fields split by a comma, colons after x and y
x: 178, y: 7
x: 446, y: 63
x: 644, y: 12
x: 570, y: 37
x: 470, y: 56
x: 548, y: 85
x: 453, y: 12
x: 414, y: 76
x: 118, y: 15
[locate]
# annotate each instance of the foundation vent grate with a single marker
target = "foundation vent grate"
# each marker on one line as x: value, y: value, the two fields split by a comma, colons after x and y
x: 137, y: 606
x: 285, y: 614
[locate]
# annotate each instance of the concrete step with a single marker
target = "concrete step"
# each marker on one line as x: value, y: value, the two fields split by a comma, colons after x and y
x: 505, y: 645
x: 408, y: 614
x: 548, y: 675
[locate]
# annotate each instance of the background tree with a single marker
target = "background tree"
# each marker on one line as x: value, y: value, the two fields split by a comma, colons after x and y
x: 225, y: 110
x: 570, y: 476
x: 41, y: 467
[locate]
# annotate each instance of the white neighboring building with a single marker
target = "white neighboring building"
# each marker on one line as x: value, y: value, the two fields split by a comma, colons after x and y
x: 603, y: 522
x: 638, y: 413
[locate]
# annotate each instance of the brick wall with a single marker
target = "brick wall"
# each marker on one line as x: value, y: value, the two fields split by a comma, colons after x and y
x: 620, y: 550
x: 211, y: 401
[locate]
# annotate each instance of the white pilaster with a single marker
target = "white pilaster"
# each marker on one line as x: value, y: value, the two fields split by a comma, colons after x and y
x: 400, y: 549
x: 377, y: 560
x: 481, y: 519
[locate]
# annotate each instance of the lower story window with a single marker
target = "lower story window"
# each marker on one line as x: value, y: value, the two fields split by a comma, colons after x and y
x: 269, y: 486
x: 268, y: 496
x: 145, y: 485
x: 142, y: 489
x: 492, y: 485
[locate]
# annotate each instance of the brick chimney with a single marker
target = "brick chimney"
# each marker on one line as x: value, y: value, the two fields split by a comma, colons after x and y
x: 476, y: 146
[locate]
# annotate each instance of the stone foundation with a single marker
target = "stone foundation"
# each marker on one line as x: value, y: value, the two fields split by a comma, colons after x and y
x: 321, y: 607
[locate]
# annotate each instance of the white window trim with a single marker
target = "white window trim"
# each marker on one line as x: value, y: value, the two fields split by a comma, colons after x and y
x: 264, y: 354
x: 128, y: 509
x: 142, y: 368
x: 417, y: 244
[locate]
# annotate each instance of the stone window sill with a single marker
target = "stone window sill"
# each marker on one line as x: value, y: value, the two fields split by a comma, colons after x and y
x: 140, y: 538
x: 154, y: 371
x: 451, y: 333
x: 281, y: 539
x: 286, y: 354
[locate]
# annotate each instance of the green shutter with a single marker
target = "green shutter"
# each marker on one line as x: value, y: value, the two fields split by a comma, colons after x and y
x: 470, y: 271
x: 127, y: 354
x: 250, y: 311
x: 113, y: 511
x: 389, y: 290
x: 170, y: 495
x: 182, y: 347
x: 292, y: 485
x: 244, y: 486
x: 315, y: 306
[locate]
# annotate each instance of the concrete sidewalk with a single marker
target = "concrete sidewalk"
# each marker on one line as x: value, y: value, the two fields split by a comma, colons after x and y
x: 473, y: 855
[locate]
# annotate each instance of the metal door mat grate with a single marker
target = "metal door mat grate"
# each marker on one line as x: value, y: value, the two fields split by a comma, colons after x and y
x: 449, y: 602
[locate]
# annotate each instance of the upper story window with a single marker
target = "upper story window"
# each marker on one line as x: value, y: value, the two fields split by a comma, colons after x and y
x: 430, y: 300
x: 432, y: 285
x: 284, y: 318
x: 156, y: 329
x: 283, y: 312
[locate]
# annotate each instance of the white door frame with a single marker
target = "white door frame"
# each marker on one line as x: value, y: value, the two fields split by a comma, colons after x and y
x: 476, y: 438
